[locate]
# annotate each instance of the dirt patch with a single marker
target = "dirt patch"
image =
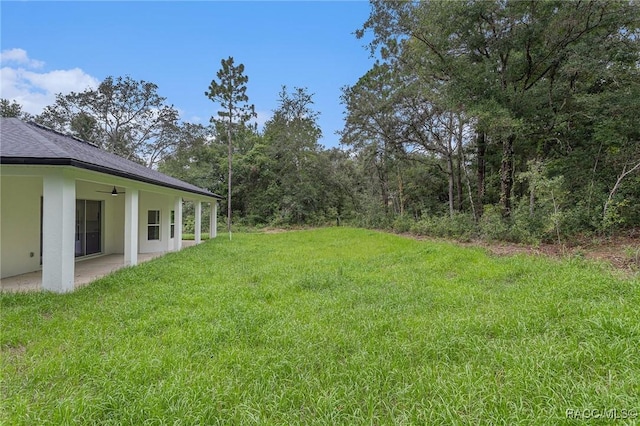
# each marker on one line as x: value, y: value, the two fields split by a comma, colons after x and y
x: 621, y: 252
x: 271, y: 230
x: 274, y: 230
x: 14, y: 351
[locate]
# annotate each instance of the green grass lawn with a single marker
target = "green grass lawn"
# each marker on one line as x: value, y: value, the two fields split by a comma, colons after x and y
x: 203, y: 236
x: 329, y: 326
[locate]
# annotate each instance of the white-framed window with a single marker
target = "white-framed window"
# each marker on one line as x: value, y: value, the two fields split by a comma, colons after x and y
x: 153, y: 225
x: 173, y: 223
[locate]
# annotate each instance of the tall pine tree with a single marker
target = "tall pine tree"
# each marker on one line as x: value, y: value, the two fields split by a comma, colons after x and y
x: 230, y: 92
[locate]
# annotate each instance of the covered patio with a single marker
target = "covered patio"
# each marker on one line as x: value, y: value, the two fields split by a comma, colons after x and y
x: 85, y: 272
x: 69, y: 208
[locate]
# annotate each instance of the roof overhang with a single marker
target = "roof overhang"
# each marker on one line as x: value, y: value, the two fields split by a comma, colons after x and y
x: 101, y: 169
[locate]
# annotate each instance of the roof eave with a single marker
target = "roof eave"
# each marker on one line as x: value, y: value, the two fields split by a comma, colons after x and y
x: 97, y: 168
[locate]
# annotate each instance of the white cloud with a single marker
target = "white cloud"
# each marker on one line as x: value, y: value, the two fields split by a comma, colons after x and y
x: 19, y: 57
x: 35, y: 90
x: 262, y: 117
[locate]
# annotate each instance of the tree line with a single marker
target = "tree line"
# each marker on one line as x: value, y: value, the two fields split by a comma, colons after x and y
x: 506, y: 120
x: 525, y: 111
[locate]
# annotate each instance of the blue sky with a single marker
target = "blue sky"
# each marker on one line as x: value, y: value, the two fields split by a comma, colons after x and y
x: 51, y: 47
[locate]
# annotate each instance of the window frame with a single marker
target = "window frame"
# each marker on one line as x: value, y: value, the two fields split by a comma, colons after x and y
x: 172, y: 224
x: 153, y: 228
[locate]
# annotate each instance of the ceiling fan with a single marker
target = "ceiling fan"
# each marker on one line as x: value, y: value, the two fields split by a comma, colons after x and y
x: 113, y: 192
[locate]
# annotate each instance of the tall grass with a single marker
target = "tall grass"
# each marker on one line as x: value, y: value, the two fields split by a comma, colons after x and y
x: 330, y: 326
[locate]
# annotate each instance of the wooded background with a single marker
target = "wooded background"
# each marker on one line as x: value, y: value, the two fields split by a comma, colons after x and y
x: 501, y: 120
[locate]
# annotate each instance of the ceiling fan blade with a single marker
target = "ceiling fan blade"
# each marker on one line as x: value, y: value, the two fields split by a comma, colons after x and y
x: 113, y: 192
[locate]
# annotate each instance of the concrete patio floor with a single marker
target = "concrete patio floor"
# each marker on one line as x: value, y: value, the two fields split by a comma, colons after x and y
x: 86, y: 271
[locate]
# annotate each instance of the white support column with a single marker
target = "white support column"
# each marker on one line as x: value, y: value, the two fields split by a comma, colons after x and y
x: 177, y: 239
x: 166, y: 220
x: 58, y: 229
x: 131, y: 227
x: 213, y: 220
x: 198, y: 224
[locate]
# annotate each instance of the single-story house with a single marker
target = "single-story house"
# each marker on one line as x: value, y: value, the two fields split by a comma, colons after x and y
x: 63, y: 199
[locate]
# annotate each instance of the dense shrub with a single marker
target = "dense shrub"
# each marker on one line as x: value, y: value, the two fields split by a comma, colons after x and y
x: 492, y: 226
x: 460, y: 226
x: 402, y: 224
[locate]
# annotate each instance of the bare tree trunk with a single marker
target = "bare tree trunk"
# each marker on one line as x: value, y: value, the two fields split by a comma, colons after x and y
x: 401, y: 191
x: 384, y: 185
x: 230, y: 154
x: 385, y: 198
x: 459, y: 176
x: 622, y: 175
x: 532, y: 200
x: 470, y: 193
x: 481, y: 149
x: 450, y: 173
x: 506, y: 175
x: 556, y: 221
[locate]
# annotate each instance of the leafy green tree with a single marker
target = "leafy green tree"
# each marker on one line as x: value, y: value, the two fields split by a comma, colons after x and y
x: 375, y: 130
x: 123, y: 116
x: 342, y: 185
x: 434, y: 130
x: 198, y: 157
x: 11, y: 108
x: 546, y: 198
x: 291, y: 136
x: 503, y: 61
x: 85, y: 127
x: 256, y: 177
x: 229, y: 92
x: 389, y: 108
x: 247, y: 143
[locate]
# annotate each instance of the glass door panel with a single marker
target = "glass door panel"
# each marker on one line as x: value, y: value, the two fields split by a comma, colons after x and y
x: 88, y: 238
x: 93, y: 227
x: 80, y: 239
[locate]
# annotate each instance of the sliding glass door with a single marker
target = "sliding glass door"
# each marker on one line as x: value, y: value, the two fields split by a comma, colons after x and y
x: 88, y: 227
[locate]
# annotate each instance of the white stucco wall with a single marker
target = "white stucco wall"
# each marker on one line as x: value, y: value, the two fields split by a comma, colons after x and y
x: 163, y: 203
x: 19, y: 224
x: 114, y: 225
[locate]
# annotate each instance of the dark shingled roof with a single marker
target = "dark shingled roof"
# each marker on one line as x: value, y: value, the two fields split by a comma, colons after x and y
x: 29, y: 143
